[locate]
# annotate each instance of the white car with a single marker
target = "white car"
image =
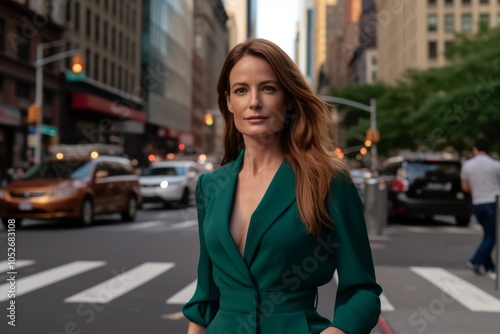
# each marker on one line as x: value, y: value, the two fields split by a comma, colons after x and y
x: 170, y: 182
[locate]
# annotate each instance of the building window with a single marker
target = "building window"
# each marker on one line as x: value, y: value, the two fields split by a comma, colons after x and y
x: 23, y: 45
x: 120, y: 83
x: 87, y: 61
x: 112, y: 74
x: 448, y: 2
x: 120, y: 44
x: 466, y: 22
x: 114, y: 8
x: 431, y: 2
x: 465, y: 2
x: 105, y: 34
x: 484, y: 17
x: 2, y: 79
x: 77, y: 16
x: 113, y: 39
x: 96, y: 67
x: 88, y: 23
x: 484, y: 2
x: 97, y: 25
x: 106, y: 4
x: 68, y: 12
x: 48, y: 97
x: 23, y: 89
x: 432, y: 50
x: 432, y: 22
x: 374, y: 75
x: 374, y: 60
x: 105, y: 71
x: 449, y: 23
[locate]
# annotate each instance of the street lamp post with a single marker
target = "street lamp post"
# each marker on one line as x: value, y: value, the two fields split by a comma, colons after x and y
x: 372, y: 109
x: 39, y: 63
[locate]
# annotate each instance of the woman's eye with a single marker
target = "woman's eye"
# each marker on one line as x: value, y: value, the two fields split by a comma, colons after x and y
x: 268, y: 89
x: 239, y: 91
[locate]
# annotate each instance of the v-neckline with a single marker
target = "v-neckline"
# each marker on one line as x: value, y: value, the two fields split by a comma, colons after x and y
x: 228, y: 225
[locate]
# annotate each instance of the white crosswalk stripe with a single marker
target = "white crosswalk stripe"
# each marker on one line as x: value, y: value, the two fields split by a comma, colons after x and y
x: 418, y: 284
x: 183, y: 295
x: 48, y: 277
x: 5, y: 265
x: 462, y: 291
x: 120, y: 284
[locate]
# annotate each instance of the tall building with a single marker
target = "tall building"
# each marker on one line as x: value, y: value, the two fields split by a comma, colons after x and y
x: 363, y: 64
x: 320, y: 39
x: 166, y: 61
x: 211, y: 45
x: 23, y: 26
x: 342, y: 43
x: 251, y: 17
x: 415, y: 34
x: 237, y: 12
x: 106, y: 106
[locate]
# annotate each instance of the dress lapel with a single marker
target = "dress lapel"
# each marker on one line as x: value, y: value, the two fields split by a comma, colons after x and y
x: 278, y: 197
x: 222, y: 207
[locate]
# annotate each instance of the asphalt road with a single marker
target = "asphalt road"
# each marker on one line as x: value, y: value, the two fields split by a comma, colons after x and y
x: 133, y: 278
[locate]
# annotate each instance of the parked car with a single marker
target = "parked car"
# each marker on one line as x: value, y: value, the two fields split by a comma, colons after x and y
x: 359, y: 177
x: 428, y: 185
x: 78, y: 188
x: 171, y: 181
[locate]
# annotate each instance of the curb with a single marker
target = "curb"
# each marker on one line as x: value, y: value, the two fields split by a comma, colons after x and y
x: 383, y: 325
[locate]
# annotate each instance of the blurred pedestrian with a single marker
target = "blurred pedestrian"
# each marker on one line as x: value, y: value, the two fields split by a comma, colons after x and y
x: 481, y: 178
x: 281, y: 214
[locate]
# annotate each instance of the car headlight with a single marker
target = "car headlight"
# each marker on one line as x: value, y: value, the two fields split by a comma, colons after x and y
x: 63, y: 192
x: 164, y: 184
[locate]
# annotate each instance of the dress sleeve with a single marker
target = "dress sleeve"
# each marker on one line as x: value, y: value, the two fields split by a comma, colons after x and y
x: 204, y: 304
x: 357, y: 305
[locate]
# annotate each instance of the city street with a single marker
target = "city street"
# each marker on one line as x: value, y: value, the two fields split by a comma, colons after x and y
x: 132, y: 278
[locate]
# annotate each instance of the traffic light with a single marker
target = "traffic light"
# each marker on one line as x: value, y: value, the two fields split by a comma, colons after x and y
x: 77, y: 64
x: 373, y: 135
x: 34, y: 114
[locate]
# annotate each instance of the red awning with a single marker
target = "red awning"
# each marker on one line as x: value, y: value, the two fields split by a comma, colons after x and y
x: 104, y: 106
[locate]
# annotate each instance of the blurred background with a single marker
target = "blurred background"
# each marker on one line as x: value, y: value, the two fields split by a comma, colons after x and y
x: 411, y: 84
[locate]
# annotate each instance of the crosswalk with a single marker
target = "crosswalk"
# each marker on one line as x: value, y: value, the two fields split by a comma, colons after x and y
x: 470, y: 292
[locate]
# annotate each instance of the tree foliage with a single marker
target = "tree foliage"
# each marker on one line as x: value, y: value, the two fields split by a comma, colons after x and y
x: 439, y: 109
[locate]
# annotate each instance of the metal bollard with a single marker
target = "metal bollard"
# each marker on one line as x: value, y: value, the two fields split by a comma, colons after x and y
x: 497, y: 222
x: 372, y: 206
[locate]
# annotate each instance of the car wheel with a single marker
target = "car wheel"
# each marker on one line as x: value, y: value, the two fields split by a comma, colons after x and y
x: 185, y: 197
x: 5, y: 223
x: 87, y: 212
x: 462, y: 221
x: 129, y: 214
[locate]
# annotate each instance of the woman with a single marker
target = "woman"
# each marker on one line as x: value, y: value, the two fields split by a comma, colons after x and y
x: 281, y: 214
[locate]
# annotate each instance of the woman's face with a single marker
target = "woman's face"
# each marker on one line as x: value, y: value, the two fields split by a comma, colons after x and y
x: 255, y: 98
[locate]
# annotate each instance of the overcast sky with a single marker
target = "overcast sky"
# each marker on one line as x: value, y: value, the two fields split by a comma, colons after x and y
x: 277, y: 22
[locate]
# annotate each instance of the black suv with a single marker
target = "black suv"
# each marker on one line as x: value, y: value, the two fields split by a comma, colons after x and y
x: 426, y: 184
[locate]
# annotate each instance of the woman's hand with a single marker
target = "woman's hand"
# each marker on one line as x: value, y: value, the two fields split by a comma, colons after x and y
x: 195, y: 328
x: 333, y: 330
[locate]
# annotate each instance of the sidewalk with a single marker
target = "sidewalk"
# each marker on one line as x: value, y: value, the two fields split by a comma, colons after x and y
x: 382, y: 327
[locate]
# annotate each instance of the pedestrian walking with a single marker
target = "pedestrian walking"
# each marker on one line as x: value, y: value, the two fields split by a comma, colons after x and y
x: 282, y: 214
x: 481, y: 178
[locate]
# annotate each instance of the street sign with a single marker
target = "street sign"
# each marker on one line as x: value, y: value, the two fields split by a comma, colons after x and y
x: 48, y: 130
x: 75, y: 77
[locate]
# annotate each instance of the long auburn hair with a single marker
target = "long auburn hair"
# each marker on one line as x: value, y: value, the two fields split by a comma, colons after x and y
x: 306, y: 140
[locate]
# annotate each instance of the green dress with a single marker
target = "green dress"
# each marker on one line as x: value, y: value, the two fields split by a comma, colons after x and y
x: 272, y: 289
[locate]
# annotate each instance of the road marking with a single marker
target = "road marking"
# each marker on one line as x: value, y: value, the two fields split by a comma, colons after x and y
x: 184, y: 295
x: 50, y: 276
x: 173, y: 316
x: 385, y: 305
x: 4, y: 265
x: 140, y: 226
x: 187, y: 223
x: 462, y: 291
x: 120, y: 284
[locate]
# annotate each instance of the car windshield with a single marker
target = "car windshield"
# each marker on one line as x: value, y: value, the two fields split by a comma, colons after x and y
x: 61, y: 169
x: 165, y: 171
x: 431, y: 169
